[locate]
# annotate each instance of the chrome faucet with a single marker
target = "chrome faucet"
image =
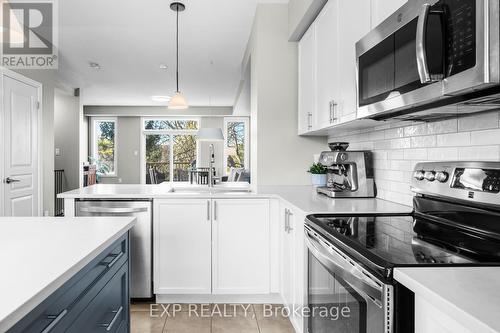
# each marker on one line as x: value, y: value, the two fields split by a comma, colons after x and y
x: 210, y: 166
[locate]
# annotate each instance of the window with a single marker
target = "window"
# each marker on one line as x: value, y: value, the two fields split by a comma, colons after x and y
x: 104, y: 133
x: 236, y: 144
x: 170, y: 149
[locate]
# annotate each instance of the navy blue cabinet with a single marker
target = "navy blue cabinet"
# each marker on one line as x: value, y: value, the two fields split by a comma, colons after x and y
x: 96, y: 299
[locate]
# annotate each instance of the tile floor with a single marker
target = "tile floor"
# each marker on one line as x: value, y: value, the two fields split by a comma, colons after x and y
x: 216, y: 318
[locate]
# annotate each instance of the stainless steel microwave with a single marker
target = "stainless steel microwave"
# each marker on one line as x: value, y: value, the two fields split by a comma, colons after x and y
x: 431, y: 55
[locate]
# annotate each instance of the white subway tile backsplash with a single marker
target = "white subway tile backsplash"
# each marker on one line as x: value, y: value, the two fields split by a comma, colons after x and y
x: 397, y: 147
x: 453, y: 139
x: 486, y: 137
x: 400, y: 143
x: 415, y: 154
x: 479, y: 153
x: 423, y: 141
x: 417, y: 129
x: 478, y: 122
x: 443, y: 154
x: 443, y: 126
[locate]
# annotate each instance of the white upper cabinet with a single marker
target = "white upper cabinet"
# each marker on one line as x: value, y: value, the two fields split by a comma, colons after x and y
x: 382, y: 9
x: 306, y: 85
x: 326, y: 65
x: 354, y: 23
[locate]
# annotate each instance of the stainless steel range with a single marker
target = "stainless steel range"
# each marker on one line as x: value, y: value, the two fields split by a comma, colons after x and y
x: 351, y: 258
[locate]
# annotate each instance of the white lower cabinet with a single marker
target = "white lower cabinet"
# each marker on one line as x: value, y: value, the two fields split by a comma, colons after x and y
x: 240, y: 257
x: 211, y: 246
x: 293, y: 265
x: 182, y: 246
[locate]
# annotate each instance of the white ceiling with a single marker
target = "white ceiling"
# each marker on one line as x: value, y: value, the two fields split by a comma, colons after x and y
x: 130, y: 39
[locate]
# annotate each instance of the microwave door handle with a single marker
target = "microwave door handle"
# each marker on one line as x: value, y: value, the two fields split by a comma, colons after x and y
x: 356, y: 279
x: 423, y: 69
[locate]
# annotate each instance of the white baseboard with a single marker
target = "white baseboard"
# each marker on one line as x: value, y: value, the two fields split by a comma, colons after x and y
x: 245, y: 299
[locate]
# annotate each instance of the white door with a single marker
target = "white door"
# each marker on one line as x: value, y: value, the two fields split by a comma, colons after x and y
x: 240, y: 233
x: 350, y: 31
x: 327, y: 81
x: 182, y: 246
x: 306, y: 84
x: 20, y: 135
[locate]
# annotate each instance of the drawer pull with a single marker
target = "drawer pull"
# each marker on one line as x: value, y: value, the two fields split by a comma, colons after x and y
x: 118, y: 256
x: 113, y: 321
x: 55, y: 321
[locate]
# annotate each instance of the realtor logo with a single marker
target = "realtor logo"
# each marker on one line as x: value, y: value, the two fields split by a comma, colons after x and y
x: 29, y: 38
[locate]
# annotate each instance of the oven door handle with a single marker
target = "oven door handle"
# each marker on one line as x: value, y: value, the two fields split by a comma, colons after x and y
x: 336, y: 263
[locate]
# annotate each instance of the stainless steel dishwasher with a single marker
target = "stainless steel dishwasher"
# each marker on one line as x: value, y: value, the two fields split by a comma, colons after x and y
x: 141, y: 258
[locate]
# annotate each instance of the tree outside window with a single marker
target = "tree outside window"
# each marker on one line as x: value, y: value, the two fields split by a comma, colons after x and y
x: 105, y: 146
x: 236, y: 144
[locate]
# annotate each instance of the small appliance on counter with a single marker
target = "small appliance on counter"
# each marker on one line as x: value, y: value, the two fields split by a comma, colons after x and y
x: 350, y: 173
x: 455, y: 217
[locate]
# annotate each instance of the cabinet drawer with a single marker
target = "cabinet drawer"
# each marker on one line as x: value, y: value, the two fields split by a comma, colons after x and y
x: 60, y: 309
x: 109, y: 310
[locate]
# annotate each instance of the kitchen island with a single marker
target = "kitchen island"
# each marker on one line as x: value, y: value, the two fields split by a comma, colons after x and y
x: 55, y: 268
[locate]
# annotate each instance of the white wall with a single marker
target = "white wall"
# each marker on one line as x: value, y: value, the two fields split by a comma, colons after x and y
x: 278, y: 155
x: 398, y: 147
x: 66, y: 137
x: 242, y: 105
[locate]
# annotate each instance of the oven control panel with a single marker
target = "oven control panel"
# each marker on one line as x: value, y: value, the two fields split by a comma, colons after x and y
x: 471, y: 181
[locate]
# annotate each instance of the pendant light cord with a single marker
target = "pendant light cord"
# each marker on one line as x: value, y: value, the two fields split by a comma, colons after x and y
x: 177, y: 55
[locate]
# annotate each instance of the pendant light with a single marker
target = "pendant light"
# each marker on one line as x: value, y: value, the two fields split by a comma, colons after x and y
x: 178, y: 101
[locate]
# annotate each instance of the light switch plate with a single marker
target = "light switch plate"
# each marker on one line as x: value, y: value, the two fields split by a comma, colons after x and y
x: 58, y: 151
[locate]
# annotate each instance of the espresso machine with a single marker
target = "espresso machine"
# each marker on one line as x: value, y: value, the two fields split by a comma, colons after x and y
x: 350, y: 173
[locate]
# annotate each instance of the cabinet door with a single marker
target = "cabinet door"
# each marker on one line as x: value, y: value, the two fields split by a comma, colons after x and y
x: 109, y: 310
x: 306, y: 79
x: 354, y: 23
x: 182, y: 246
x: 240, y: 233
x: 326, y: 64
x: 382, y: 9
x: 287, y: 258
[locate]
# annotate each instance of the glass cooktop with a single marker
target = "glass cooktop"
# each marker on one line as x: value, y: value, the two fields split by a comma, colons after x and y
x: 405, y: 240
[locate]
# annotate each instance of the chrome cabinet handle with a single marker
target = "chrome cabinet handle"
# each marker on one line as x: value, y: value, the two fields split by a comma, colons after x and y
x: 113, y: 321
x: 208, y: 210
x: 118, y: 256
x: 9, y: 180
x: 309, y: 120
x: 215, y: 210
x: 286, y: 220
x: 55, y: 321
x: 332, y: 111
x: 102, y: 210
x: 289, y: 224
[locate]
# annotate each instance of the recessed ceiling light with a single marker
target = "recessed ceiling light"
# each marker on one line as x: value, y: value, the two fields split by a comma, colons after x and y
x: 163, y: 66
x: 94, y: 65
x: 160, y: 98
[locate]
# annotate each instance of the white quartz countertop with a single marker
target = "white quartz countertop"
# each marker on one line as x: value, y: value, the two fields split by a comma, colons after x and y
x: 38, y: 255
x: 303, y: 198
x: 470, y: 295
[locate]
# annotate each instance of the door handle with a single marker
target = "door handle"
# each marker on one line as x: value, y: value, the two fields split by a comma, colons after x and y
x: 208, y: 210
x: 289, y: 224
x: 215, y: 210
x: 9, y: 180
x: 55, y: 320
x: 421, y: 49
x: 286, y: 220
